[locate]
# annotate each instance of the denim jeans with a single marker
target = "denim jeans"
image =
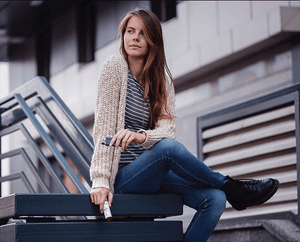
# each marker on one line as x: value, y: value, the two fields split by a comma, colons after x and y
x: 168, y: 167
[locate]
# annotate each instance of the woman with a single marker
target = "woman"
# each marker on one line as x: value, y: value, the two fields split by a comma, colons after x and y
x: 135, y: 105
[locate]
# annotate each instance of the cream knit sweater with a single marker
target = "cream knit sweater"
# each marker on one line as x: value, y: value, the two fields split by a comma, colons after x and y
x: 109, y: 119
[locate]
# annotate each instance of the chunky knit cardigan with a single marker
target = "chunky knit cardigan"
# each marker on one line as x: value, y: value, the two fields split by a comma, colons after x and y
x: 109, y: 119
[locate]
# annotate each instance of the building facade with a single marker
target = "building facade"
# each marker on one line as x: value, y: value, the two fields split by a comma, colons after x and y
x: 220, y: 53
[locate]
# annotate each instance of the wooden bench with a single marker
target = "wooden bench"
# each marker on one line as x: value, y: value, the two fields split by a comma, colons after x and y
x: 52, y: 217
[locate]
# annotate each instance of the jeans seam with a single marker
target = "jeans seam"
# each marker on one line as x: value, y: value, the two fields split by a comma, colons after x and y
x: 184, y: 186
x: 190, y: 174
x: 194, y: 223
x: 200, y: 212
x: 190, y: 188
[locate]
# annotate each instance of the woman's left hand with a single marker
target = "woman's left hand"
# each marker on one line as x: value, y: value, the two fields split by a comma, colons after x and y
x: 127, y: 137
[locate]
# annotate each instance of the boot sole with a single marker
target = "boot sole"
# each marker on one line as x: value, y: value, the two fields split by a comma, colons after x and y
x: 263, y: 200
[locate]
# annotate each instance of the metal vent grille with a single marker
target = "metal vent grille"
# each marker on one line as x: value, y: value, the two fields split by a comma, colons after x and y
x: 256, y: 140
x: 259, y: 146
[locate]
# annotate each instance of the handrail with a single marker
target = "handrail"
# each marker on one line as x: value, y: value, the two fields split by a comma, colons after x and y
x: 21, y: 175
x: 40, y: 86
x: 50, y: 144
x: 37, y: 97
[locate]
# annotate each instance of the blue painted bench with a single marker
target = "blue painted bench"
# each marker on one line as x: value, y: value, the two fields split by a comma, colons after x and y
x: 52, y: 217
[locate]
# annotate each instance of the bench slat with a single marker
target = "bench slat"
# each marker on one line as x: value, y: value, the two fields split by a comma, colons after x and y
x: 161, y: 205
x: 93, y: 231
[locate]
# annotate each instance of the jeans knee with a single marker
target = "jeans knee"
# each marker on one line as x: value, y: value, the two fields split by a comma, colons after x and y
x: 170, y: 145
x: 212, y: 199
x: 168, y: 142
x: 218, y: 200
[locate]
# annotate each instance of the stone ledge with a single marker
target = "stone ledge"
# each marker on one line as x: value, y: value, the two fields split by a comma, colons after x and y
x: 271, y: 228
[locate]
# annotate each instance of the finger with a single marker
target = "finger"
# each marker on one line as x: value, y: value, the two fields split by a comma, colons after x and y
x: 92, y: 198
x: 97, y: 199
x: 115, y: 137
x: 120, y: 138
x: 110, y: 198
x: 112, y: 141
x: 130, y: 140
x: 125, y: 140
x: 101, y: 202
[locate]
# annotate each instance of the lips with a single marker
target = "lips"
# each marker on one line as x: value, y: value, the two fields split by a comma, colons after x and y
x: 135, y: 46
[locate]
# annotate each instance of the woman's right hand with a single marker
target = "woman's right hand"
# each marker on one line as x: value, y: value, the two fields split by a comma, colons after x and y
x: 126, y: 137
x: 98, y: 196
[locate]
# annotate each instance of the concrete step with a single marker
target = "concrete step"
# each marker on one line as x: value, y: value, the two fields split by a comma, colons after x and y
x: 259, y: 230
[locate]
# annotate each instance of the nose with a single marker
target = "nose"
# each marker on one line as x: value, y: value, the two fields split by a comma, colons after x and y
x: 136, y: 37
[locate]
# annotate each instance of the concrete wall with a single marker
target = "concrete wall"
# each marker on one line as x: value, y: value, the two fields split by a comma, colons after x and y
x: 63, y: 42
x: 205, y: 32
x: 208, y: 31
x: 221, y: 90
x: 22, y: 63
x: 4, y: 90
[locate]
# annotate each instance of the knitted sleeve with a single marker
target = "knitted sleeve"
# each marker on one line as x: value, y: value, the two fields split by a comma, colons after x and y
x: 165, y: 128
x: 106, y: 117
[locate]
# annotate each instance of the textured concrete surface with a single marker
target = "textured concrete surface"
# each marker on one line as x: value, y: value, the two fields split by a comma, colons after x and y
x: 284, y: 230
x: 273, y: 230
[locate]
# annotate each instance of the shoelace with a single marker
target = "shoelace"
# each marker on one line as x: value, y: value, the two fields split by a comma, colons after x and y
x: 248, y: 184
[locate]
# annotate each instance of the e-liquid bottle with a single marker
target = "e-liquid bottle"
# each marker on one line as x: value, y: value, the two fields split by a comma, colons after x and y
x: 106, y: 211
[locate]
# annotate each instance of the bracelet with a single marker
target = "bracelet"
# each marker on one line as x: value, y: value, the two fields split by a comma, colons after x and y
x: 141, y: 131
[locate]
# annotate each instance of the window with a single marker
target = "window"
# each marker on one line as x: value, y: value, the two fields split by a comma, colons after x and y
x: 164, y: 10
x: 85, y: 22
x: 43, y: 48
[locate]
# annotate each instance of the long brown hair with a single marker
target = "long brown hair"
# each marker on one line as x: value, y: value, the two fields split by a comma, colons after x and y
x: 153, y: 76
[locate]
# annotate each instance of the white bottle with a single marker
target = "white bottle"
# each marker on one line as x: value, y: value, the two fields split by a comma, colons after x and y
x: 106, y: 211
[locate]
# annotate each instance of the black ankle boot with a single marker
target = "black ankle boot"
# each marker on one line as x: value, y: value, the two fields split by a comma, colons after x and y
x: 244, y: 193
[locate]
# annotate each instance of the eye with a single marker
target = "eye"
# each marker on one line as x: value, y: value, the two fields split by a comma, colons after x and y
x: 130, y: 31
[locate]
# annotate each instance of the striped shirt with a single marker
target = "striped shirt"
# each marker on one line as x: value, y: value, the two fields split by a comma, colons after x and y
x: 136, y: 117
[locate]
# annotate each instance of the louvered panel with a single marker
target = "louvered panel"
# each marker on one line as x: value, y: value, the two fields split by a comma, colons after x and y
x: 246, y: 137
x: 259, y: 165
x: 284, y: 195
x: 247, y: 122
x: 259, y: 146
x: 260, y: 210
x: 283, y: 177
x: 255, y: 150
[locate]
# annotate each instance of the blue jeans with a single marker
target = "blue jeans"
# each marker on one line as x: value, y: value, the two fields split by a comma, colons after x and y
x: 168, y: 167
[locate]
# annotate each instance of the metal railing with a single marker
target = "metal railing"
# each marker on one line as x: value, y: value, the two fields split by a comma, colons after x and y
x: 37, y: 97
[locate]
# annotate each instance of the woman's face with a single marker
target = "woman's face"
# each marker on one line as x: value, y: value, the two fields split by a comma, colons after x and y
x: 135, y: 43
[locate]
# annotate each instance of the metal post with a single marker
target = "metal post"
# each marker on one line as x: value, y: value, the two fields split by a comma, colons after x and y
x: 200, y: 141
x: 296, y: 60
x: 296, y: 79
x: 297, y: 121
x: 0, y: 150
